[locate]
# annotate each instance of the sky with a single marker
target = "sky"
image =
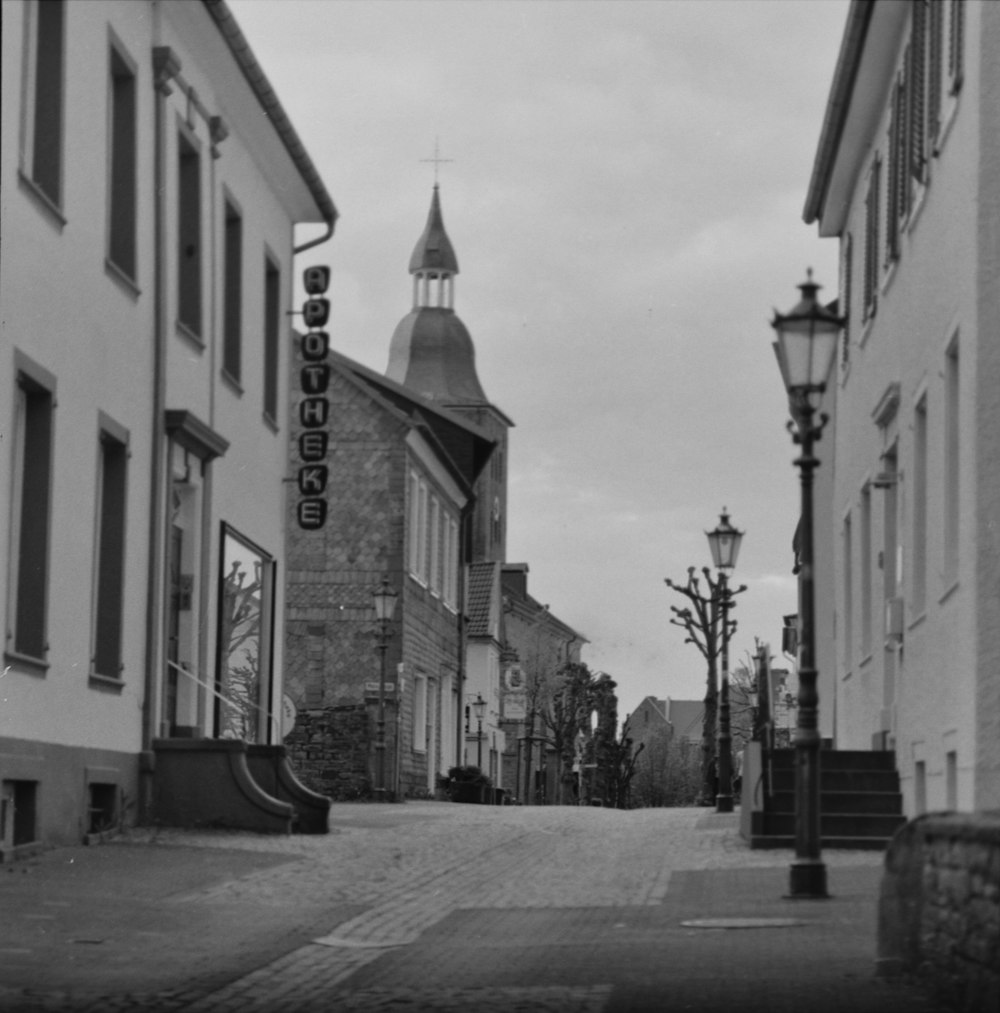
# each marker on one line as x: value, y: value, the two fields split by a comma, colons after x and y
x: 624, y: 195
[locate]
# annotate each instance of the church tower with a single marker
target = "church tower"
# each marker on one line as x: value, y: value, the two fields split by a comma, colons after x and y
x: 432, y: 353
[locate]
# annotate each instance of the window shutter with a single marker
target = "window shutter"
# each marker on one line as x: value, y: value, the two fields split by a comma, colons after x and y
x: 871, y: 241
x: 845, y: 299
x: 892, y: 202
x: 956, y: 45
x: 935, y: 31
x: 917, y: 91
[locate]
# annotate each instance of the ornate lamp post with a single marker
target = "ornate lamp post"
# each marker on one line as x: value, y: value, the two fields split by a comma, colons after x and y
x: 385, y: 605
x: 479, y: 709
x: 806, y: 341
x: 724, y: 543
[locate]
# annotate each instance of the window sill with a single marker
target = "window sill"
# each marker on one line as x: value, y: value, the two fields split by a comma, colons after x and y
x: 866, y: 660
x: 105, y: 683
x: 231, y: 382
x: 916, y: 620
x: 121, y: 278
x: 846, y: 676
x: 26, y: 664
x: 866, y: 327
x: 45, y: 202
x: 946, y: 122
x: 185, y: 332
x: 948, y: 591
x: 271, y: 422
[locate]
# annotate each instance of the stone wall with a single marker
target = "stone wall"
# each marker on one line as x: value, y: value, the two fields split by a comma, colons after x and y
x: 939, y: 910
x: 328, y: 750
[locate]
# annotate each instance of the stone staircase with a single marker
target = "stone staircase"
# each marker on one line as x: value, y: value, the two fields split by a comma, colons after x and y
x: 860, y: 802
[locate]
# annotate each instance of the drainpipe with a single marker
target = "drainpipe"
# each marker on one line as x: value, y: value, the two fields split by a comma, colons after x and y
x: 166, y: 65
x: 464, y: 523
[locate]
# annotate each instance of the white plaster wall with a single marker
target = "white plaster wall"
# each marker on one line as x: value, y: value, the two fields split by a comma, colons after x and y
x: 928, y: 296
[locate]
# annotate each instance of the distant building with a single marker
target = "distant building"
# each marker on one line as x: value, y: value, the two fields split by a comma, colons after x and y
x: 397, y: 500
x: 536, y: 646
x: 151, y: 181
x: 907, y: 177
x: 679, y: 720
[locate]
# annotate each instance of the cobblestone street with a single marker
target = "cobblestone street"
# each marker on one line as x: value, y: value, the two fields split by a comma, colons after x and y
x: 436, y: 906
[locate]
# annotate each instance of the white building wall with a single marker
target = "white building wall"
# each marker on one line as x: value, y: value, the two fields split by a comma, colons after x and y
x: 920, y: 690
x: 81, y: 323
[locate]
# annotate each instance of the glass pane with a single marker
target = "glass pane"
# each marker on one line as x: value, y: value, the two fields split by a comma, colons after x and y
x: 244, y: 594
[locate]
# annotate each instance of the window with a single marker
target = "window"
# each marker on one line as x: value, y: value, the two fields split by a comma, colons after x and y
x: 272, y: 329
x: 952, y: 435
x: 848, y: 547
x: 451, y: 565
x: 107, y: 656
x: 32, y: 507
x: 432, y: 545
x: 866, y: 570
x: 871, y: 241
x: 846, y: 267
x: 919, y: 599
x: 419, y: 713
x: 935, y: 45
x: 956, y: 45
x: 232, y: 293
x: 414, y: 525
x: 43, y: 122
x: 951, y: 780
x: 919, y: 788
x: 189, y: 235
x: 896, y: 204
x: 122, y: 163
x: 245, y: 633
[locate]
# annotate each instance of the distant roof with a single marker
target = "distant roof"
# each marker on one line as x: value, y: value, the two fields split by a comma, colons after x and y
x: 482, y: 594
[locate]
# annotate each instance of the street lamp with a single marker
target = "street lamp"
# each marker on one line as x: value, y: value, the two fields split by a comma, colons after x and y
x: 724, y: 543
x: 479, y: 708
x: 806, y: 341
x: 385, y: 605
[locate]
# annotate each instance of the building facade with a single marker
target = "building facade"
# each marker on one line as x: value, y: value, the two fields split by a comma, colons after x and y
x: 149, y: 195
x: 397, y: 502
x: 907, y: 178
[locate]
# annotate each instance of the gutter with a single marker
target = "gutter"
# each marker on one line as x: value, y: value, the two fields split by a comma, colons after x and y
x: 275, y: 112
x: 844, y: 76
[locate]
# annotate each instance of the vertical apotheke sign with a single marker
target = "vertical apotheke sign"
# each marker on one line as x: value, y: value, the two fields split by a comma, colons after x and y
x: 314, y: 408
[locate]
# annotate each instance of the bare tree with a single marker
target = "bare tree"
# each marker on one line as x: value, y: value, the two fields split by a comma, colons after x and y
x: 702, y: 621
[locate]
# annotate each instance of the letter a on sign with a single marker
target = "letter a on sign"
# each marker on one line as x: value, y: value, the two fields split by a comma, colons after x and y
x: 316, y: 280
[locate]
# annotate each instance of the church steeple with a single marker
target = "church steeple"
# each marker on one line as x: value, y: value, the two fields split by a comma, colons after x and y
x: 431, y: 350
x: 434, y: 260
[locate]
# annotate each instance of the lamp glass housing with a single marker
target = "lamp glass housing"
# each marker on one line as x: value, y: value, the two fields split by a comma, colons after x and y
x: 479, y: 707
x: 385, y: 602
x: 806, y: 341
x: 724, y: 543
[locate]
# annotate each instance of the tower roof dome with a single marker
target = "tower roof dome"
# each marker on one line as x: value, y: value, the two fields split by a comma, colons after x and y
x: 431, y: 350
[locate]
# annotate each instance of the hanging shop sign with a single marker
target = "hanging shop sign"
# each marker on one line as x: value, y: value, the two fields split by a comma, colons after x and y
x: 314, y: 407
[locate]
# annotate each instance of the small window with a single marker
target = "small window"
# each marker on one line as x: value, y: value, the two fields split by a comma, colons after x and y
x: 952, y: 442
x: 45, y: 118
x: 189, y: 235
x: 272, y: 330
x: 956, y: 45
x: 110, y: 557
x: 919, y: 599
x: 32, y: 507
x: 102, y: 808
x: 122, y: 159
x: 871, y: 241
x: 233, y: 294
x: 420, y: 713
x: 18, y: 813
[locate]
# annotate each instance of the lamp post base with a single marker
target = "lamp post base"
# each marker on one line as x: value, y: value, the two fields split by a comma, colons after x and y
x: 807, y: 881
x: 723, y: 803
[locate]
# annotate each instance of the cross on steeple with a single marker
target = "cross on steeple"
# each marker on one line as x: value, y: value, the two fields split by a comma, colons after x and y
x: 437, y: 160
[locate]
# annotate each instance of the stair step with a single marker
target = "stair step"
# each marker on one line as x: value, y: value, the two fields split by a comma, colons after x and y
x: 775, y: 841
x: 840, y: 759
x: 837, y: 824
x: 883, y: 803
x: 841, y: 780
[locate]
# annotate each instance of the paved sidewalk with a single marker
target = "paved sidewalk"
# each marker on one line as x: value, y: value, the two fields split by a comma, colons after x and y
x: 435, y: 906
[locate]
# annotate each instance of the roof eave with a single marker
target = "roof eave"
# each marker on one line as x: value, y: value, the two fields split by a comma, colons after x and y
x: 837, y: 107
